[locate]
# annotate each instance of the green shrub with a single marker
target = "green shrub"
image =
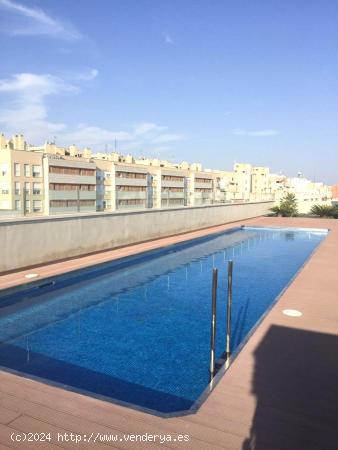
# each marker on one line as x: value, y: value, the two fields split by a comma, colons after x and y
x: 323, y: 210
x: 335, y: 212
x: 287, y: 207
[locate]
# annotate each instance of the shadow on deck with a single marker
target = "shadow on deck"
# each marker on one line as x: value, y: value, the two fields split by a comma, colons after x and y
x: 297, y: 401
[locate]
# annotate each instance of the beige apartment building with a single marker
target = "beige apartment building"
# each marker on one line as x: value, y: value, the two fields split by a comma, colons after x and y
x: 35, y: 182
x: 50, y: 179
x: 69, y: 184
x: 242, y: 180
x: 128, y: 184
x: 21, y: 182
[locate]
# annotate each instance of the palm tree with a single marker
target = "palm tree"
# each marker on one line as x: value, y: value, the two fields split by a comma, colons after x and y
x: 322, y: 210
x: 287, y: 207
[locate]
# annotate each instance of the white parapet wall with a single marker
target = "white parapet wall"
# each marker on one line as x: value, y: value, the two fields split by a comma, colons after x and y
x: 30, y: 241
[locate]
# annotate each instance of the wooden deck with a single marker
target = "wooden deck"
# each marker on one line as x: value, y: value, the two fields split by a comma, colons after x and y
x: 281, y: 393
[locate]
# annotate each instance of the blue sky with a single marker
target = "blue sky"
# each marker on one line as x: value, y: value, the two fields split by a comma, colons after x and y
x: 209, y: 81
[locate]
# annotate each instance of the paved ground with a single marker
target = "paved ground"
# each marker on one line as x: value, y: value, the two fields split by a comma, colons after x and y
x: 281, y: 393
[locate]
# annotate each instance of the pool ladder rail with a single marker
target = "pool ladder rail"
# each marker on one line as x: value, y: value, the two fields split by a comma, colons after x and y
x: 214, y: 367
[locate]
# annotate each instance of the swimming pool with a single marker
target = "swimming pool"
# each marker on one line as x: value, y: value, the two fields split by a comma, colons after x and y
x: 137, y: 330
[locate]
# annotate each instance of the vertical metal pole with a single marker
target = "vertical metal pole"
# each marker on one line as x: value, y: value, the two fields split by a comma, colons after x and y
x: 229, y: 304
x: 213, y: 322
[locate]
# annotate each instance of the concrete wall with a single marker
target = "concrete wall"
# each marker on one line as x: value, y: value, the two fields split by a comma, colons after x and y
x: 25, y: 242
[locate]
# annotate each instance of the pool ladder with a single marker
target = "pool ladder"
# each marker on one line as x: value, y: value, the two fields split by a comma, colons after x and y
x: 227, y: 352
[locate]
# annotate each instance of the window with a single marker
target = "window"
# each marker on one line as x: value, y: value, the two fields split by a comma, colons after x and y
x: 71, y: 171
x: 172, y: 189
x: 17, y: 169
x: 132, y: 188
x: 87, y: 202
x: 27, y: 205
x: 36, y: 189
x: 71, y: 187
x: 36, y: 171
x: 141, y: 176
x: 27, y: 187
x: 203, y: 180
x: 131, y: 202
x: 203, y: 190
x: 70, y: 203
x: 27, y: 170
x: 37, y: 205
x: 17, y: 187
x: 17, y: 205
x: 172, y: 178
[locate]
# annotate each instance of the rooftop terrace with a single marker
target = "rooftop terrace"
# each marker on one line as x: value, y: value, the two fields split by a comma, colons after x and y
x: 280, y: 392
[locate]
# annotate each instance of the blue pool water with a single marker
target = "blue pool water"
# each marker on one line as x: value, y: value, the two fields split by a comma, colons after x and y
x: 137, y: 330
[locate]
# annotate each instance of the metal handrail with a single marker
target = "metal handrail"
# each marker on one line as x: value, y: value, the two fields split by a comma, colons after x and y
x: 213, y: 322
x: 212, y: 368
x: 229, y: 305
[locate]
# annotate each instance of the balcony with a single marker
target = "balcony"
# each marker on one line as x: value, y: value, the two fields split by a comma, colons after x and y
x: 166, y: 195
x: 72, y: 195
x: 36, y: 174
x: 121, y: 195
x: 73, y: 179
x: 206, y: 185
x: 131, y: 181
x: 171, y: 183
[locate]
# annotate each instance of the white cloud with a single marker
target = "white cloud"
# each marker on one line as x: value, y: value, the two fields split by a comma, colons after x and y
x: 255, y: 133
x: 164, y: 138
x: 25, y: 111
x: 87, y: 75
x: 93, y: 136
x: 38, y: 22
x: 35, y: 86
x: 147, y: 127
x: 168, y: 39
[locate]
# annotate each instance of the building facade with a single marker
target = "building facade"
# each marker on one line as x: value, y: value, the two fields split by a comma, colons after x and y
x: 50, y: 179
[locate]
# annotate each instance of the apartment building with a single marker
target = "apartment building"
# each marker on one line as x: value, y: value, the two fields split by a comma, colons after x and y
x: 308, y: 193
x: 21, y: 181
x: 69, y: 184
x: 50, y: 179
x: 105, y: 185
x: 170, y: 188
x: 201, y: 188
x: 334, y: 192
x: 260, y: 183
x: 242, y: 181
x: 133, y: 187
